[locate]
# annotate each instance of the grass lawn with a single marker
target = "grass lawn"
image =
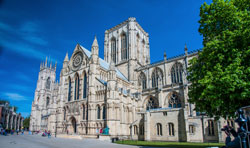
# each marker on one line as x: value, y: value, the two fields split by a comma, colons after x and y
x: 170, y: 144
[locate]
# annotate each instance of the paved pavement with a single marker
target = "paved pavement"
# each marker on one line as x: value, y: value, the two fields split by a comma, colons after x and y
x: 37, y: 141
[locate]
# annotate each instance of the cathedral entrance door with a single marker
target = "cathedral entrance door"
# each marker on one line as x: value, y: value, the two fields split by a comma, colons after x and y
x: 74, y: 125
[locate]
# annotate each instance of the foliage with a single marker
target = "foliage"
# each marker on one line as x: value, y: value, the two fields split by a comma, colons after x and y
x: 220, y: 75
x: 2, y: 101
x: 26, y: 122
x: 169, y: 144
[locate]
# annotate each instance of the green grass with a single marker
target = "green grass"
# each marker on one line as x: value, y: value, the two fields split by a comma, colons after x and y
x: 170, y: 144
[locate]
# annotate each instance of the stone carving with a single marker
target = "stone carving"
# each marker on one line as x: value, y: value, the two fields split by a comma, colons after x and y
x: 77, y: 61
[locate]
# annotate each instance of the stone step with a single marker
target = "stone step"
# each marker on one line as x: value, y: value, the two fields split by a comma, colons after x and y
x: 69, y: 136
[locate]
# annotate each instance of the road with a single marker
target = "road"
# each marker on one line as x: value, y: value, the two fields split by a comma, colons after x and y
x: 37, y: 141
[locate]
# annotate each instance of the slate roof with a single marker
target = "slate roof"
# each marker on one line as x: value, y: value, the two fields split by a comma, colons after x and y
x: 104, y: 64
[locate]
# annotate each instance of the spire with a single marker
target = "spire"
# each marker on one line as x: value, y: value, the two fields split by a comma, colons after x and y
x: 55, y: 65
x: 95, y: 43
x: 95, y: 48
x: 185, y: 49
x: 165, y: 56
x: 66, y: 59
x: 46, y: 61
x: 50, y: 65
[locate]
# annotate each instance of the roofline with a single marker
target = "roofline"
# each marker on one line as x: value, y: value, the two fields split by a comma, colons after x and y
x: 130, y: 19
x: 171, y: 59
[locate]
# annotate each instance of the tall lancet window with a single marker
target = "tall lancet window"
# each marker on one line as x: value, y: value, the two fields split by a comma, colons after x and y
x: 48, y: 83
x: 84, y: 85
x: 143, y: 60
x: 77, y: 87
x: 113, y: 50
x: 69, y: 91
x: 124, y: 51
x: 138, y: 46
x: 157, y: 77
x: 176, y: 73
x: 142, y: 81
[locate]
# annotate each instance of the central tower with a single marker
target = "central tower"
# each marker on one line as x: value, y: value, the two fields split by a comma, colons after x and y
x: 127, y: 45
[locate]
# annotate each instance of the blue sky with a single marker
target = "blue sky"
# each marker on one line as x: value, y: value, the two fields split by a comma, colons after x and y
x: 30, y: 30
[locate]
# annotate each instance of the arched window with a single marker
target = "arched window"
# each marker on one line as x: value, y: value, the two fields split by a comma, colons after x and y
x: 143, y: 52
x: 191, y: 129
x: 104, y: 113
x: 98, y: 112
x: 159, y: 129
x: 47, y: 101
x: 48, y: 83
x: 113, y: 50
x: 84, y: 85
x: 77, y: 87
x: 138, y: 46
x: 152, y: 103
x: 157, y: 77
x: 171, y: 129
x: 141, y: 129
x: 210, y: 127
x: 174, y: 101
x: 83, y: 112
x: 124, y: 51
x: 135, y: 130
x: 176, y: 73
x: 69, y: 91
x: 142, y: 81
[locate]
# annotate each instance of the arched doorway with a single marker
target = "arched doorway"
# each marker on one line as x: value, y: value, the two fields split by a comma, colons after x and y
x: 74, y: 125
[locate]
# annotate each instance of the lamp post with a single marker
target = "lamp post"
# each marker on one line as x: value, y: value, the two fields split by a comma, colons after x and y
x: 56, y: 124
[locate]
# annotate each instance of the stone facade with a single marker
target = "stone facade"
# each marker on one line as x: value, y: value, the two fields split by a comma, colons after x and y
x: 9, y: 119
x: 136, y: 99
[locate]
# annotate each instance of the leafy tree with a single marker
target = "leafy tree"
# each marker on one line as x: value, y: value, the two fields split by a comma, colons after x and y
x: 2, y: 101
x: 220, y: 75
x: 26, y: 122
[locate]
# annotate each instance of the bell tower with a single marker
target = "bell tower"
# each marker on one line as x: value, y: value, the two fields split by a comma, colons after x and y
x: 42, y: 103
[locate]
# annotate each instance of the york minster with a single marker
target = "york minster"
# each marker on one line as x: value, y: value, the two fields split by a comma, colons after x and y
x: 125, y: 92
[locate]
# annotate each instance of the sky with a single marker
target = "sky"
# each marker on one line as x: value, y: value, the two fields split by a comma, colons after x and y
x: 30, y: 30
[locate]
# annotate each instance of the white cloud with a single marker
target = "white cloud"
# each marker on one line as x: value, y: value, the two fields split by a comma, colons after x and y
x: 15, y: 96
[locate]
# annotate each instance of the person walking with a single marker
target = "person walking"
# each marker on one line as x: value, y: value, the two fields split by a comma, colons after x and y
x: 48, y: 134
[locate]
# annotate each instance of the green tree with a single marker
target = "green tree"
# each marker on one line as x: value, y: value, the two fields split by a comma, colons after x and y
x: 220, y: 75
x: 2, y: 101
x: 26, y: 122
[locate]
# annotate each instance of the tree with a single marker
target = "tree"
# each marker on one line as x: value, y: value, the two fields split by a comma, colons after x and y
x: 2, y: 101
x: 220, y: 75
x: 26, y: 122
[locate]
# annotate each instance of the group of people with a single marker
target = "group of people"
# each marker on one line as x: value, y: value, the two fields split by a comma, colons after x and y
x: 46, y: 133
x: 6, y: 132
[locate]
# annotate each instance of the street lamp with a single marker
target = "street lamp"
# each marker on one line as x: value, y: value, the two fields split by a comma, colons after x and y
x: 56, y: 124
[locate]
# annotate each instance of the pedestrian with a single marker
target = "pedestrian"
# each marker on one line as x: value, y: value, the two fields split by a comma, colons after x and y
x: 5, y: 132
x: 97, y: 132
x: 17, y: 131
x: 22, y: 131
x: 48, y: 134
x: 101, y: 131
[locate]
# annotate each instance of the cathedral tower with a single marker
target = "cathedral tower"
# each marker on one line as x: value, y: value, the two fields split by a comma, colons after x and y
x: 127, y: 45
x: 42, y: 104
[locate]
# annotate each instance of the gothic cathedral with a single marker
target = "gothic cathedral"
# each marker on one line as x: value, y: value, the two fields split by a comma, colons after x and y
x: 125, y: 92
